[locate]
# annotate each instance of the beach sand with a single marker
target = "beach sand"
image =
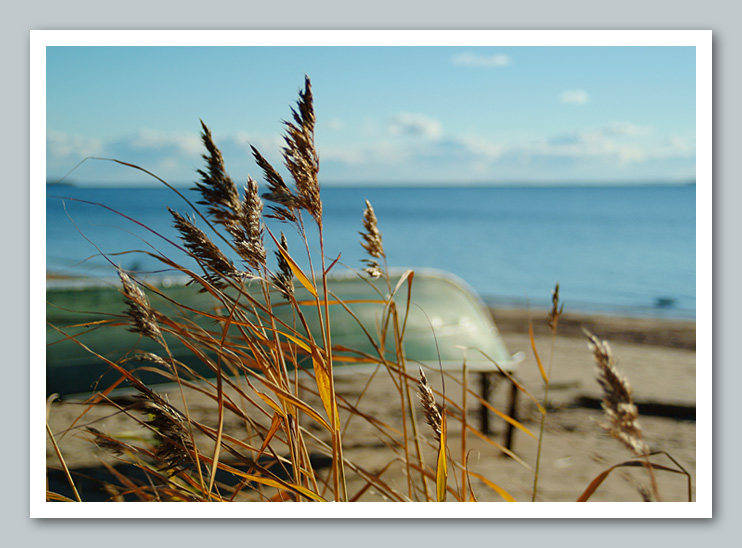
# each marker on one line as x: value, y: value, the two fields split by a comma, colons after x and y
x: 657, y: 356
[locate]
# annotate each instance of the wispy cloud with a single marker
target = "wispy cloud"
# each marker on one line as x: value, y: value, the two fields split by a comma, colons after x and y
x: 414, y: 125
x: 574, y: 97
x: 63, y: 146
x: 158, y: 142
x: 613, y: 150
x: 172, y: 155
x: 625, y: 129
x: 618, y: 144
x: 469, y: 59
x: 404, y: 147
x: 334, y: 124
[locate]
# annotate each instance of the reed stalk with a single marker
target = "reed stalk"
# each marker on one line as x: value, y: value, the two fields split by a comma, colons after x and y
x: 554, y: 314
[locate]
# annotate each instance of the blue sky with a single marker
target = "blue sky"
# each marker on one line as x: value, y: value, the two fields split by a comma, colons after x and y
x: 386, y: 115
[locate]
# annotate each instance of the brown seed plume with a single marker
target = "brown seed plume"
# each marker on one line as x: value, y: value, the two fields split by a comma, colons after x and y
x: 618, y: 403
x: 284, y: 278
x: 205, y: 251
x: 372, y: 236
x: 175, y: 446
x: 102, y: 441
x: 430, y: 409
x: 278, y: 192
x: 300, y: 155
x: 556, y: 310
x: 248, y: 233
x: 142, y: 315
x: 217, y: 189
x: 371, y: 241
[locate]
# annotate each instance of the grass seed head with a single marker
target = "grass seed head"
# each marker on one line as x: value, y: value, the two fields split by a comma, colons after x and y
x: 248, y: 234
x: 556, y: 310
x: 218, y: 191
x: 371, y: 236
x: 175, y: 446
x: 142, y: 315
x: 205, y: 251
x: 284, y: 278
x: 278, y: 192
x: 300, y: 155
x: 618, y: 403
x: 430, y: 409
x: 371, y: 242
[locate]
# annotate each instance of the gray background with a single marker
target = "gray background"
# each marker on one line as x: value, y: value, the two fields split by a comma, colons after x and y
x: 723, y: 17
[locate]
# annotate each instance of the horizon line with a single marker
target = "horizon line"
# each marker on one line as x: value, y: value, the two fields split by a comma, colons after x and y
x: 411, y: 184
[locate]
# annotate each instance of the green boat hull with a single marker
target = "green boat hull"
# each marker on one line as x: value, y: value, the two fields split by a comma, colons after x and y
x: 446, y: 325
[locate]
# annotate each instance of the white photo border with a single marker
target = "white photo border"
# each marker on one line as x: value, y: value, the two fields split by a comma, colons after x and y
x: 700, y: 39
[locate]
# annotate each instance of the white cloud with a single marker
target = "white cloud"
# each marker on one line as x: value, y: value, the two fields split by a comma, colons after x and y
x: 626, y: 129
x: 174, y: 156
x: 574, y: 97
x: 480, y: 148
x: 462, y: 153
x: 186, y: 143
x: 414, y: 125
x: 404, y: 146
x: 469, y: 59
x: 618, y: 144
x: 334, y: 124
x: 63, y: 146
x: 675, y: 146
x: 601, y: 143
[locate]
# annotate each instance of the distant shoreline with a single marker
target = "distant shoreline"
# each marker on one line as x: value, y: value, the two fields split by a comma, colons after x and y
x: 664, y: 332
x: 410, y: 185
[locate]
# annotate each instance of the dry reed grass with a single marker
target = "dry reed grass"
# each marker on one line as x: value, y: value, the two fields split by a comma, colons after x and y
x: 272, y: 378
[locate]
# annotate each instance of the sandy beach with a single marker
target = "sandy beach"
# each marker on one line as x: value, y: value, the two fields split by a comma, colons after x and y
x: 657, y: 356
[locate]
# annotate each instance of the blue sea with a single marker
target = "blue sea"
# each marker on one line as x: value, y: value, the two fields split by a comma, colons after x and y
x: 628, y: 250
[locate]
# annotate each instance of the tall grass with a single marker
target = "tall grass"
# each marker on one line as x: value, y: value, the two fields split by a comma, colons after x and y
x: 267, y: 364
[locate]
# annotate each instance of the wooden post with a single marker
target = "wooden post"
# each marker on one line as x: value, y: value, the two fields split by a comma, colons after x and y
x: 485, y: 383
x: 512, y: 412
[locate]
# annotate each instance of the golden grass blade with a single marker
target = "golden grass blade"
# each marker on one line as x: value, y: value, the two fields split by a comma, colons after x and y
x: 502, y: 448
x: 518, y: 385
x: 293, y: 400
x: 600, y: 478
x: 275, y: 425
x: 369, y: 484
x: 535, y: 353
x: 88, y: 324
x: 496, y: 488
x: 441, y: 476
x: 351, y: 359
x: 336, y: 302
x: 682, y: 471
x: 278, y: 484
x: 406, y: 277
x: 273, y: 405
x: 64, y: 464
x: 472, y: 497
x: 465, y: 483
x: 296, y: 341
x: 322, y: 376
x: 594, y: 485
x: 220, y: 401
x: 54, y: 497
x: 295, y: 268
x: 506, y: 418
x: 409, y: 275
x: 133, y: 488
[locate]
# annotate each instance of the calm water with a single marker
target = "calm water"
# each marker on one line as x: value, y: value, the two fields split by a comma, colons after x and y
x: 612, y: 249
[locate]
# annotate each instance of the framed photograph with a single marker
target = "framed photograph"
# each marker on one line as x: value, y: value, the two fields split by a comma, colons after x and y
x: 371, y: 266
